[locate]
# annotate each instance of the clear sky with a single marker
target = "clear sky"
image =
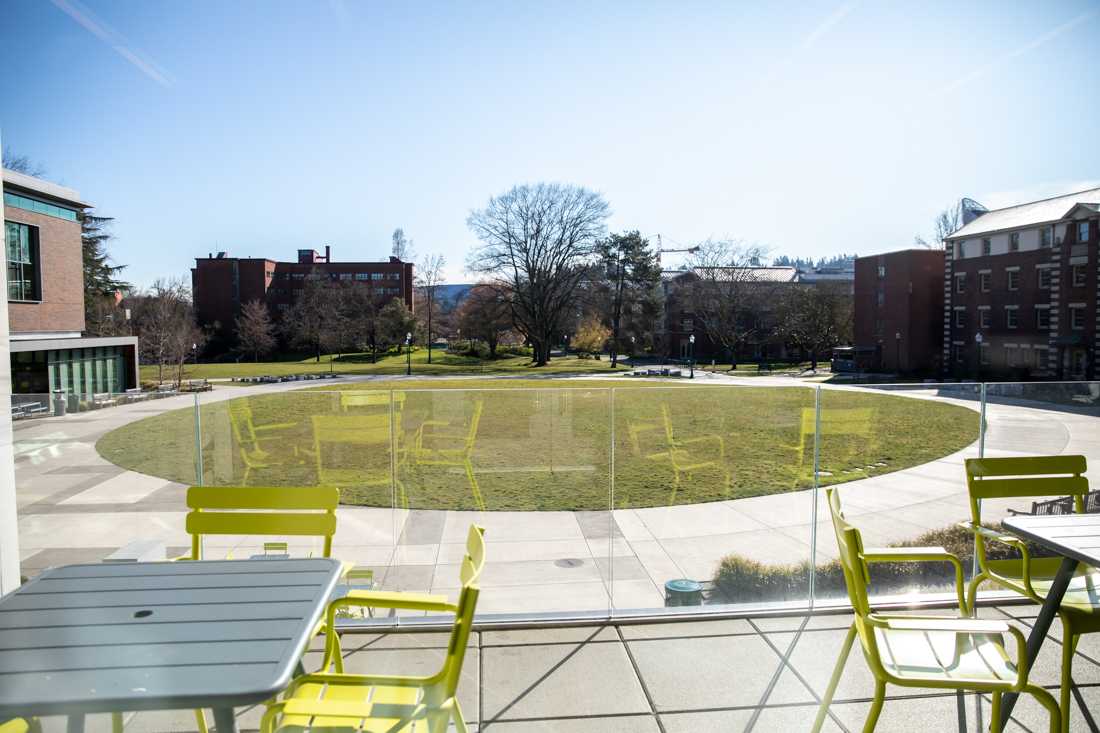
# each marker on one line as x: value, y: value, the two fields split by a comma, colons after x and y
x: 812, y: 128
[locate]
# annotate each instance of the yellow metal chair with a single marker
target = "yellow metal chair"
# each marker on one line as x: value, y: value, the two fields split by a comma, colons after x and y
x: 445, y: 443
x: 20, y: 725
x: 1034, y: 476
x: 285, y: 511
x: 372, y: 436
x: 255, y: 442
x: 687, y: 455
x: 335, y: 701
x: 356, y: 400
x: 941, y: 652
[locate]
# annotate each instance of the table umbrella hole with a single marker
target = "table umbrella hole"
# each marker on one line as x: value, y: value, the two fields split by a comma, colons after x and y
x: 143, y: 613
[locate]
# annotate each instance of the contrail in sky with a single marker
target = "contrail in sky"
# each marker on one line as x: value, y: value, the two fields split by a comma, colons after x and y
x: 114, y: 39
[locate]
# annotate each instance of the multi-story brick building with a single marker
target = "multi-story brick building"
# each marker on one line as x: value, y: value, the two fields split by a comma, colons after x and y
x: 221, y: 284
x: 898, y: 296
x: 46, y: 297
x: 1020, y: 289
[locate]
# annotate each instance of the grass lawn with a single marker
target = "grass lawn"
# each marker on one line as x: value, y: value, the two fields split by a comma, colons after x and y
x: 544, y: 444
x: 391, y: 364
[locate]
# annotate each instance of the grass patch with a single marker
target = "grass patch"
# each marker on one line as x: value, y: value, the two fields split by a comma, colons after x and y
x: 390, y: 364
x: 546, y: 444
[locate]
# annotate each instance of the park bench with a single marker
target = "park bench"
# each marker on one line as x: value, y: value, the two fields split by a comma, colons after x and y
x: 134, y: 394
x: 166, y: 388
x: 29, y: 409
x: 17, y: 412
x: 198, y: 385
x: 103, y: 399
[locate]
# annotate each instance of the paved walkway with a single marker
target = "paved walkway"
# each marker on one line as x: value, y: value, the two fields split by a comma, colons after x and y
x: 75, y: 506
x: 752, y: 674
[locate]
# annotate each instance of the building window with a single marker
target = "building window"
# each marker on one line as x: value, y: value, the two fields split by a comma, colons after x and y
x: 983, y: 318
x: 362, y: 276
x: 960, y: 249
x: 881, y: 298
x: 983, y: 351
x: 960, y: 282
x: 987, y: 247
x: 283, y: 306
x: 1014, y: 242
x: 376, y: 276
x: 1044, y: 278
x: 1042, y: 318
x: 985, y: 279
x: 346, y: 275
x: 393, y: 276
x: 1077, y: 318
x: 1080, y: 273
x: 297, y: 275
x: 22, y: 249
x: 1082, y: 231
x: 1013, y: 279
x: 1012, y: 318
x: 960, y: 319
x: 39, y: 207
x: 882, y: 271
x: 1046, y: 237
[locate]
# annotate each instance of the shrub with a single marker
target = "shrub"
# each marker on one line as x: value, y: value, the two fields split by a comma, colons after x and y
x: 741, y: 580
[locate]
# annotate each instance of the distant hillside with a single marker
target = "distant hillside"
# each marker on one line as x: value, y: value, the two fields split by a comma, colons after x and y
x: 454, y: 293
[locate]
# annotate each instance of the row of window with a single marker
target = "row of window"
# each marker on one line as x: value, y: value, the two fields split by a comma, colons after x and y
x: 21, y: 248
x: 1046, y: 240
x: 296, y: 292
x: 361, y: 276
x: 1077, y: 314
x: 1078, y: 278
x: 38, y: 207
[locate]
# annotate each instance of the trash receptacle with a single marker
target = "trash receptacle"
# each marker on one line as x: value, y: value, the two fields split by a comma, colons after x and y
x: 683, y: 592
x: 59, y: 403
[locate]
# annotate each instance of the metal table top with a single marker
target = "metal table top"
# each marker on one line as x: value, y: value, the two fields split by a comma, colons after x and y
x: 156, y: 636
x: 1070, y: 535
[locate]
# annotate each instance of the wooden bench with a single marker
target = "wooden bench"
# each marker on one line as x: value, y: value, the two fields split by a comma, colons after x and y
x: 198, y: 385
x: 103, y: 399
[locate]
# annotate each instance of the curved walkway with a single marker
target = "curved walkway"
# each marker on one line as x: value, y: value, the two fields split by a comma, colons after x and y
x: 76, y: 506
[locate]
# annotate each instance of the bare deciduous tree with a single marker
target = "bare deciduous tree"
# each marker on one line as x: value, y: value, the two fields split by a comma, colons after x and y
x: 815, y: 317
x: 428, y: 279
x: 485, y: 315
x: 945, y: 224
x: 726, y: 292
x: 402, y: 246
x: 13, y: 161
x: 314, y: 321
x: 255, y: 330
x: 164, y: 322
x: 395, y: 321
x: 537, y: 242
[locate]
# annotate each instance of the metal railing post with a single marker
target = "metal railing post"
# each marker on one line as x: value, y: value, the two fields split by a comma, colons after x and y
x: 813, y: 510
x: 611, y: 507
x: 198, y: 443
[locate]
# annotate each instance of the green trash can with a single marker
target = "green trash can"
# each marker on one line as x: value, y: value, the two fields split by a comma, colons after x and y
x: 683, y: 592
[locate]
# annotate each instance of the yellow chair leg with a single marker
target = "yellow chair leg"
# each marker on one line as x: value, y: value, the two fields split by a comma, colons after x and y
x: 972, y: 593
x: 845, y: 650
x: 1047, y: 701
x: 995, y: 714
x: 876, y: 707
x: 1069, y: 644
x: 116, y: 723
x: 200, y: 720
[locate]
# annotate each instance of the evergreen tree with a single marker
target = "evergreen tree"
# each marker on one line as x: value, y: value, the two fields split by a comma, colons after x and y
x: 101, y: 281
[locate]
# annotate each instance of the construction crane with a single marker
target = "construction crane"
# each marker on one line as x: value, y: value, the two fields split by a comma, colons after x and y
x: 661, y: 250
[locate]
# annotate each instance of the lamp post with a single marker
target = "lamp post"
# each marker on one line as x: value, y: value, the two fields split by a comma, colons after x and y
x: 897, y: 351
x: 566, y: 344
x: 631, y: 351
x: 691, y: 355
x: 408, y: 354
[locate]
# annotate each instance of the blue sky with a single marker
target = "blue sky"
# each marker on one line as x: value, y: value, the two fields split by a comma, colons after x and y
x: 811, y: 128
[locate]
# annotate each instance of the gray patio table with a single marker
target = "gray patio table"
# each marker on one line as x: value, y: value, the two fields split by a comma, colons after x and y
x: 102, y: 638
x: 1076, y: 537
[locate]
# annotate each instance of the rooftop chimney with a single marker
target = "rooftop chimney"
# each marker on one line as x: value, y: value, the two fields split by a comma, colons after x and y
x: 328, y: 253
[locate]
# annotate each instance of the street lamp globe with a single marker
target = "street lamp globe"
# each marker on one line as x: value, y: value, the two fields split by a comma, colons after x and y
x: 691, y: 339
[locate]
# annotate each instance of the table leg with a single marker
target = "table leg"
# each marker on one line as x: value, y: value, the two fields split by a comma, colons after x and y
x: 1042, y: 625
x: 75, y: 724
x: 224, y: 721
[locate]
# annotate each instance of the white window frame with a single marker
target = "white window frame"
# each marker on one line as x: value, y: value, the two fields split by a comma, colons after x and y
x: 1044, y: 273
x: 1013, y: 279
x: 1082, y: 227
x: 1084, y: 271
x: 1039, y: 310
x: 960, y: 317
x: 985, y: 317
x: 1014, y: 242
x: 1012, y: 317
x: 960, y: 283
x: 1077, y: 316
x: 985, y: 280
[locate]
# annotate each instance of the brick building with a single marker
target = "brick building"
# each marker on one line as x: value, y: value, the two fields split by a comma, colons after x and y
x: 46, y: 297
x: 898, y: 299
x: 1020, y: 291
x: 221, y: 284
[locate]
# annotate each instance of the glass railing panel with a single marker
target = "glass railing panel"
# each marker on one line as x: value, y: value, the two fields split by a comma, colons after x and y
x: 308, y: 438
x: 710, y: 496
x: 895, y: 455
x: 529, y: 465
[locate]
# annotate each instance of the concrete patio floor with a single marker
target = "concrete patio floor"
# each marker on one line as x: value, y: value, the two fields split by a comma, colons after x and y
x: 751, y: 674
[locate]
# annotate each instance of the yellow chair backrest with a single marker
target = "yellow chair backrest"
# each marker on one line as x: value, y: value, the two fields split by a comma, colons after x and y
x: 240, y: 419
x: 469, y: 572
x: 1020, y: 477
x: 857, y: 575
x: 308, y: 511
x: 846, y: 421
